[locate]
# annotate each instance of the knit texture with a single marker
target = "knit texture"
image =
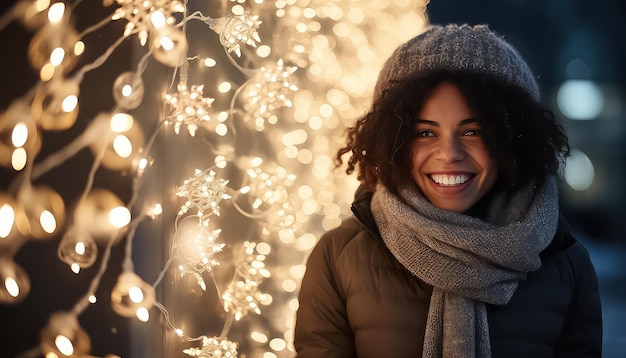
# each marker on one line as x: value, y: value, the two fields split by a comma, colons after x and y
x: 455, y: 48
x: 469, y: 261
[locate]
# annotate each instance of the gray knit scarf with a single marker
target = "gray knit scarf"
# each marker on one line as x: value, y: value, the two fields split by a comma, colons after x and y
x: 469, y: 261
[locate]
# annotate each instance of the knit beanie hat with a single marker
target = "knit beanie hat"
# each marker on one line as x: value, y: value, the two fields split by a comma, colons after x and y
x: 457, y: 48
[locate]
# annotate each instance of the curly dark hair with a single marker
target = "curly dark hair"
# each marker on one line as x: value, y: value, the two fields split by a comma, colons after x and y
x: 523, y: 137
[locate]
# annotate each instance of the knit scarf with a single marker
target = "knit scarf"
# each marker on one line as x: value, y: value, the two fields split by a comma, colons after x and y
x: 469, y: 261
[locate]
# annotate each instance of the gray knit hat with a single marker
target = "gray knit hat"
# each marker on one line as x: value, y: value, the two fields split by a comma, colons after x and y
x: 454, y: 48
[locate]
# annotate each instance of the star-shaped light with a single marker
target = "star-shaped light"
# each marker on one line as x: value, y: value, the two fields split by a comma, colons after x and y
x: 273, y: 90
x: 214, y: 347
x: 235, y: 30
x: 197, y: 248
x: 243, y: 295
x: 188, y: 107
x: 202, y: 192
x: 139, y: 14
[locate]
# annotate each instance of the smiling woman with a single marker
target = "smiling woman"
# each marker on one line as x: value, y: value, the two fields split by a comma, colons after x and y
x: 456, y: 247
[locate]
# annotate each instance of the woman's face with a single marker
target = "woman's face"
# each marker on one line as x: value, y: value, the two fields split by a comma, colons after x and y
x: 450, y: 163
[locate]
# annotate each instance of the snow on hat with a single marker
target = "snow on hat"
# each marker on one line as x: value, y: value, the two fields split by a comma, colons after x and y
x: 474, y: 49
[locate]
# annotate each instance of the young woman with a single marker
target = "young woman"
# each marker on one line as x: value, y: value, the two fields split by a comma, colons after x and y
x: 456, y: 247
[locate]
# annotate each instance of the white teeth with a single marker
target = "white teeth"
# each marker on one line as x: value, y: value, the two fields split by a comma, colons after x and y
x: 450, y: 180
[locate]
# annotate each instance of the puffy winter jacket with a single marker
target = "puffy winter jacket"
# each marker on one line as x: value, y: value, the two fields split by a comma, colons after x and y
x: 357, y: 300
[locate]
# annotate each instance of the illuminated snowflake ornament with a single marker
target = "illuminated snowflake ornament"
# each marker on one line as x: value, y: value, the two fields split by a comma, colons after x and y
x: 188, y: 107
x: 214, y: 347
x: 197, y: 246
x: 235, y: 30
x: 267, y: 186
x: 139, y: 14
x: 243, y: 295
x: 273, y: 90
x: 202, y: 192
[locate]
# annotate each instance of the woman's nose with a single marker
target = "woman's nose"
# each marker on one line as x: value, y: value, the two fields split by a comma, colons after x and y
x: 449, y: 150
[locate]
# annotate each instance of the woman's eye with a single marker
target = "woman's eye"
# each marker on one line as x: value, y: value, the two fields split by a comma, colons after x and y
x: 424, y: 133
x: 472, y: 132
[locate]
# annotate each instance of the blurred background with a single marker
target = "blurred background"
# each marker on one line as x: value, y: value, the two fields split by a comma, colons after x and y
x: 575, y: 48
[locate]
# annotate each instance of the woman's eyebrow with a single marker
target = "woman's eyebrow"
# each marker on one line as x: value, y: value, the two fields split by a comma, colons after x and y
x: 468, y: 121
x: 436, y: 124
x: 425, y: 121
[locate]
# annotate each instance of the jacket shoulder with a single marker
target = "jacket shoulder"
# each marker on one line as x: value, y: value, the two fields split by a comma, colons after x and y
x: 338, y: 238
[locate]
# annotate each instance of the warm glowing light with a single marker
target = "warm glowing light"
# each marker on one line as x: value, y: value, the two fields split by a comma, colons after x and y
x: 123, y: 146
x: 79, y: 48
x: 80, y: 248
x: 55, y: 13
x: 75, y: 268
x: 263, y: 51
x: 157, y: 19
x: 166, y: 43
x: 143, y: 163
x: 278, y: 344
x: 143, y: 314
x: 132, y: 297
x: 69, y: 103
x: 19, y: 135
x: 258, y: 337
x: 119, y: 216
x: 128, y: 90
x: 11, y: 286
x: 135, y: 294
x: 18, y: 158
x: 46, y: 72
x: 64, y: 345
x: 289, y: 285
x: 47, y: 221
x: 121, y: 122
x: 224, y: 87
x: 7, y: 219
x: 57, y: 55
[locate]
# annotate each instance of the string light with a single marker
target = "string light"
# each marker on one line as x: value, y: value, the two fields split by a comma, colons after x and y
x: 128, y: 90
x: 196, y: 248
x: 14, y: 282
x: 64, y: 337
x: 272, y: 91
x: 236, y: 30
x: 203, y: 192
x: 333, y: 56
x: 188, y: 107
x: 214, y: 347
x: 132, y: 297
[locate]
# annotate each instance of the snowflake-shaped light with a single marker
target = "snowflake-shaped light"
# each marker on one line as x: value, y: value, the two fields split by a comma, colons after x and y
x: 197, y: 248
x: 267, y: 186
x: 214, y: 347
x: 235, y: 30
x: 202, y: 192
x: 139, y: 13
x: 249, y: 263
x: 188, y: 107
x: 273, y: 90
x: 241, y: 297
